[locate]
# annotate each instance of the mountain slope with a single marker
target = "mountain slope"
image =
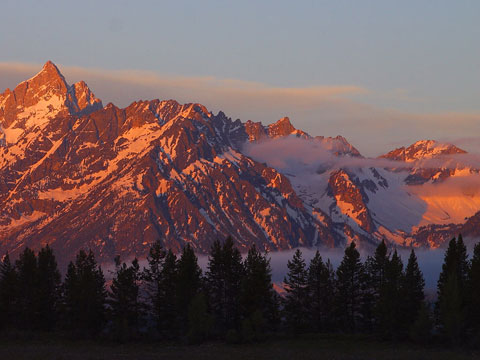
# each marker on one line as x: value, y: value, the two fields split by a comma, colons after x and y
x: 116, y: 179
x: 75, y: 174
x: 419, y: 202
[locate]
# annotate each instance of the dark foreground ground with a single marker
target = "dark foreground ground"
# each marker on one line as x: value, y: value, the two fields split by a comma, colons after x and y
x: 305, y: 347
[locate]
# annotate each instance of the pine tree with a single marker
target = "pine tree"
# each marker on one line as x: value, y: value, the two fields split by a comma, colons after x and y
x: 189, y: 284
x: 48, y: 294
x: 421, y: 329
x: 8, y: 291
x: 448, y: 267
x: 389, y: 303
x: 376, y: 267
x: 412, y: 293
x: 224, y: 276
x: 375, y: 274
x: 452, y: 316
x: 168, y: 285
x: 125, y: 305
x: 450, y: 308
x: 330, y: 319
x: 27, y: 291
x: 320, y: 286
x: 84, y: 296
x: 257, y: 295
x: 152, y: 276
x: 200, y: 321
x: 296, y: 298
x: 350, y: 284
x: 160, y: 281
x: 463, y: 264
x: 473, y: 293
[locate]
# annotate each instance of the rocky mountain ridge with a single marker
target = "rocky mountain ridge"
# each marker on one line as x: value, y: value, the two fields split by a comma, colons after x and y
x: 76, y: 174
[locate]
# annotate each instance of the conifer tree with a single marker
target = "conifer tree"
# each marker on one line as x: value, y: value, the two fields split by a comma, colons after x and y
x: 463, y: 264
x: 84, y: 296
x: 473, y: 293
x: 27, y: 304
x: 168, y: 292
x: 49, y: 285
x: 125, y: 305
x: 450, y: 308
x: 8, y: 291
x: 296, y: 298
x: 448, y: 267
x: 320, y: 285
x: 224, y: 277
x: 375, y: 274
x: 452, y: 315
x: 200, y: 322
x: 412, y: 292
x: 257, y: 294
x: 421, y: 329
x: 160, y: 280
x: 376, y: 267
x: 389, y: 303
x: 189, y: 284
x: 152, y: 276
x: 330, y: 319
x: 350, y: 285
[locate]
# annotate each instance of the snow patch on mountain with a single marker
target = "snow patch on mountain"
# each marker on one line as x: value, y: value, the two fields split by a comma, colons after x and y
x: 397, y: 208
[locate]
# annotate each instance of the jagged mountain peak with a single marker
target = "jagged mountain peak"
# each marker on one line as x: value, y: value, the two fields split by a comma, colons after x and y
x: 175, y: 169
x: 50, y: 68
x: 49, y: 77
x: 423, y: 149
x: 283, y: 122
x: 83, y: 99
x: 35, y: 102
x: 74, y: 174
x: 282, y: 127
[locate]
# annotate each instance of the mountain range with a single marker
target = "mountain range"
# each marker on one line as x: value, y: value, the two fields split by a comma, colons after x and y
x: 77, y: 174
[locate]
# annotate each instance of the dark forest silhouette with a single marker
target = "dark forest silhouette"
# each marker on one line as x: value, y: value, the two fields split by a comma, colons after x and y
x: 234, y: 300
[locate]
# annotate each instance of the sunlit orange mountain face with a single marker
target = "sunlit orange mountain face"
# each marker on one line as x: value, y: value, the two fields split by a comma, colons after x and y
x: 77, y: 174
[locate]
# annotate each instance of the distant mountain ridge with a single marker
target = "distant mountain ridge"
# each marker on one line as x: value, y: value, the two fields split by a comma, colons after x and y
x: 77, y: 174
x: 423, y: 149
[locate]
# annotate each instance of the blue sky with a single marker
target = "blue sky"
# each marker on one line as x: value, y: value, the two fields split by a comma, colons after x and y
x: 413, y: 60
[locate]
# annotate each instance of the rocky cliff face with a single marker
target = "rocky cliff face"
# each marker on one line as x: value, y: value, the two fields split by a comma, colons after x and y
x: 115, y: 180
x: 75, y: 174
x: 350, y: 199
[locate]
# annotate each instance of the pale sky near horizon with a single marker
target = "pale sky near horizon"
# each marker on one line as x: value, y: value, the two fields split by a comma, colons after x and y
x: 382, y: 73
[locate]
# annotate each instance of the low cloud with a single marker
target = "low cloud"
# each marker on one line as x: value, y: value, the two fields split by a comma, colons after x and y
x: 309, y: 159
x: 292, y: 154
x: 289, y: 153
x: 454, y: 161
x: 125, y: 86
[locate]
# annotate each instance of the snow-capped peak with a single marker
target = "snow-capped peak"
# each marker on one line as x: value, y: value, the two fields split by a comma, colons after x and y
x: 34, y: 102
x: 423, y: 149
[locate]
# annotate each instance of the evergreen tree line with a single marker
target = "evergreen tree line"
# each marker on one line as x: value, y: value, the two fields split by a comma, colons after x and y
x: 234, y: 299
